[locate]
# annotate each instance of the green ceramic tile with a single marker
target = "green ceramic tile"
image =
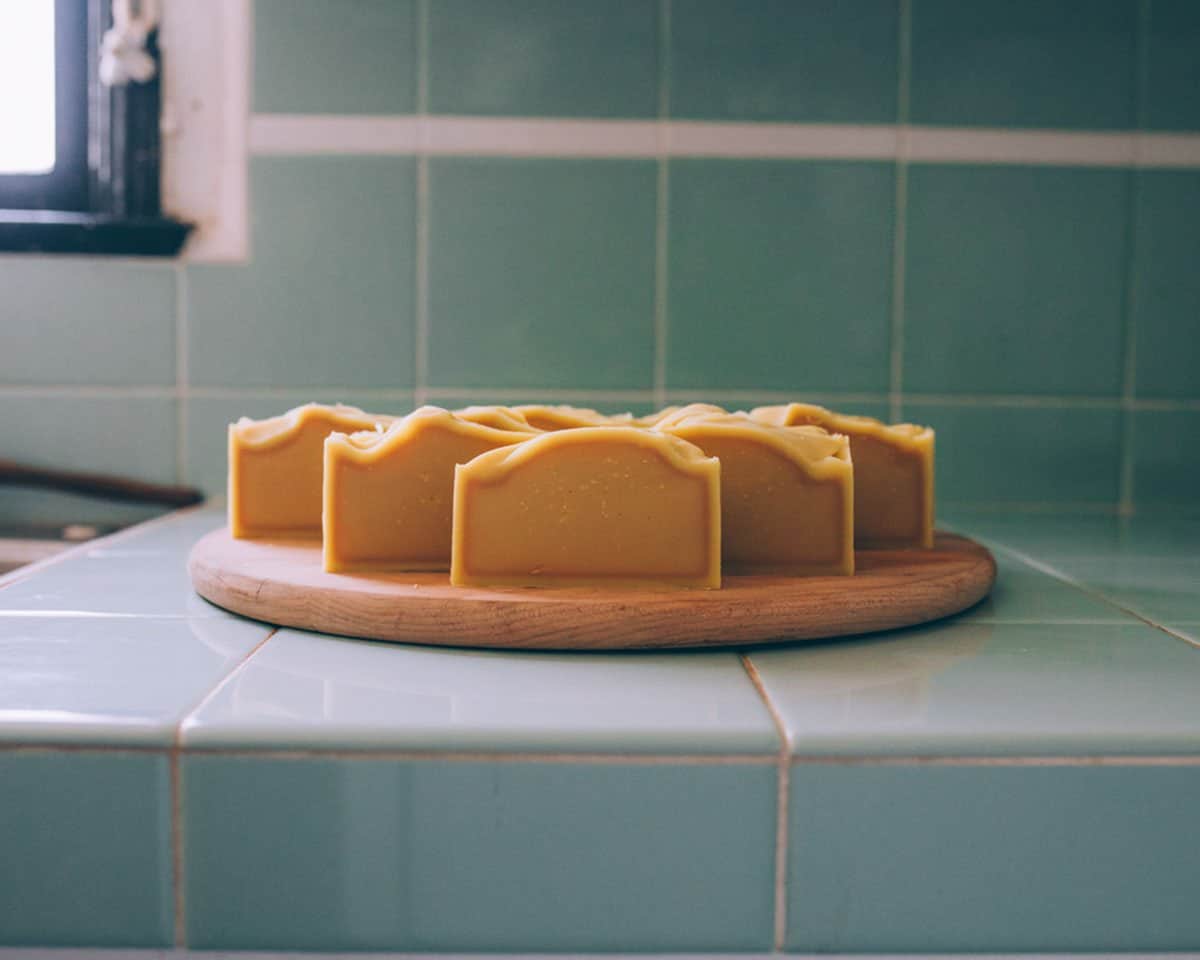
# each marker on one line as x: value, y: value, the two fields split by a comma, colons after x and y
x: 990, y: 689
x: 354, y: 56
x: 476, y: 856
x: 310, y: 691
x: 1041, y: 534
x: 75, y: 321
x: 541, y: 273
x: 129, y: 436
x: 208, y: 419
x: 1165, y: 590
x: 1001, y: 454
x: 1166, y: 298
x: 327, y: 297
x: 1166, y: 457
x: 1054, y: 536
x: 1024, y: 63
x: 1023, y: 594
x: 543, y: 58
x: 1015, y: 280
x: 1172, y: 68
x: 143, y: 574
x: 777, y: 60
x: 779, y: 275
x: 87, y: 849
x: 895, y: 859
x: 112, y: 680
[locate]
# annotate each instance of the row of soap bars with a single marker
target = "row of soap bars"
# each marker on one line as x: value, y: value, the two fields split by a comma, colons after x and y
x: 559, y: 496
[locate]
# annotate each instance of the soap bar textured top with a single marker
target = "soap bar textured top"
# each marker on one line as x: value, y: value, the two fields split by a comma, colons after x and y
x: 389, y: 494
x: 787, y: 493
x: 592, y: 506
x: 562, y: 417
x: 502, y: 418
x: 275, y: 468
x: 893, y: 473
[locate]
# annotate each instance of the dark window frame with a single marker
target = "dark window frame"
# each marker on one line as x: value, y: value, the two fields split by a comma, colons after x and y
x: 103, y: 196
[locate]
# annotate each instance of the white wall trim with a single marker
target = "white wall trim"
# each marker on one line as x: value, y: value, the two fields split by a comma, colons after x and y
x: 206, y: 107
x: 315, y: 134
x: 1052, y: 148
x: 310, y: 134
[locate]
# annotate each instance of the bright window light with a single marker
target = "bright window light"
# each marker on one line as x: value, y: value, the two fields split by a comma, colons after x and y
x: 27, y: 86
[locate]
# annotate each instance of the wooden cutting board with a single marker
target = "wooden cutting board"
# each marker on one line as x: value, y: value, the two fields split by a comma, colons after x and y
x: 282, y: 582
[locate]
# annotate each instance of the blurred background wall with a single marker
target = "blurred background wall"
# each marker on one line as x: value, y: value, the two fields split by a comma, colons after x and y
x: 1040, y: 308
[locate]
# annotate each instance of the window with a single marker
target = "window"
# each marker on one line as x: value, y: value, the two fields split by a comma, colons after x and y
x: 79, y: 159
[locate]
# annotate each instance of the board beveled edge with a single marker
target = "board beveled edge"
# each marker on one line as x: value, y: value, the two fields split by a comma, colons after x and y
x: 896, y: 589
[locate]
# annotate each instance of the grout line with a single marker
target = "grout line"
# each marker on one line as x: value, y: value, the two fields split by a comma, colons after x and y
x: 1013, y: 400
x: 421, y: 279
x: 484, y: 756
x: 772, y: 396
x: 1048, y: 401
x: 182, y: 375
x: 516, y: 395
x: 1066, y: 578
x: 938, y: 760
x: 611, y: 759
x: 1030, y: 506
x: 782, y: 800
x: 662, y: 207
x: 178, y: 847
x: 218, y: 686
x: 422, y: 25
x: 298, y: 393
x: 90, y: 391
x: 1125, y: 478
x: 661, y: 266
x: 900, y: 214
x: 177, y: 879
x: 421, y: 334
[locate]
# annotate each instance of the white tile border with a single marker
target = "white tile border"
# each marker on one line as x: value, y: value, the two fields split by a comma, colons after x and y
x: 435, y: 135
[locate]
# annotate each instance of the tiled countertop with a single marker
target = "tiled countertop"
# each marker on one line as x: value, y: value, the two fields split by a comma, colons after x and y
x: 1022, y: 777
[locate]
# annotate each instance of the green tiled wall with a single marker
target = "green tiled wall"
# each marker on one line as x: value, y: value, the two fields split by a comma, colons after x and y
x: 1042, y: 317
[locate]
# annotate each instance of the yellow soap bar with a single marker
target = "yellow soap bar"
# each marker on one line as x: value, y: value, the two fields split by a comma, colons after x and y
x: 669, y: 415
x: 502, y: 418
x: 389, y: 495
x: 893, y: 473
x: 562, y: 417
x: 275, y: 468
x: 591, y: 506
x: 787, y: 493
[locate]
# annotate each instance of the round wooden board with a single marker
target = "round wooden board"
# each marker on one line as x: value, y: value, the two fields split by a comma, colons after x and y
x: 282, y: 582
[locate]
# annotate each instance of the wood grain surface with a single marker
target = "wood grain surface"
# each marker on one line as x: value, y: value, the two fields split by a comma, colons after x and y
x: 282, y: 582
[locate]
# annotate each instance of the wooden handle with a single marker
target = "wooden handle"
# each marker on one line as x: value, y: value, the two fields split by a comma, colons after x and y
x: 99, y: 485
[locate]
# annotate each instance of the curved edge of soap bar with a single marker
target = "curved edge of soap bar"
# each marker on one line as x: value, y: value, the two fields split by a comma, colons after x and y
x: 498, y: 417
x: 820, y: 454
x: 565, y: 417
x: 261, y: 435
x: 910, y: 437
x: 368, y: 447
x: 678, y: 452
x: 256, y: 437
